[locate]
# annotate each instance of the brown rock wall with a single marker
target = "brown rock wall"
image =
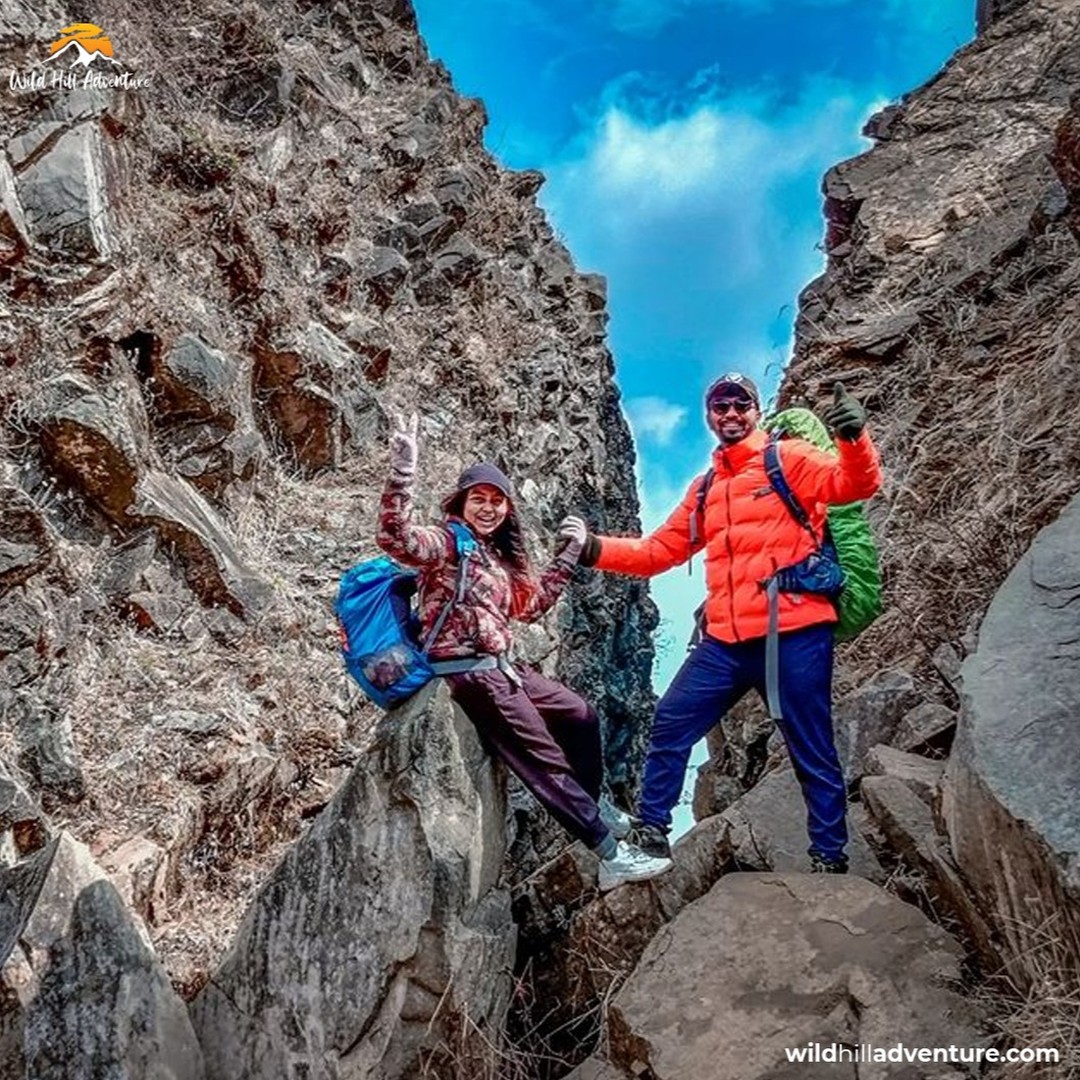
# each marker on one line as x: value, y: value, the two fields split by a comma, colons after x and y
x: 231, y: 279
x: 949, y: 305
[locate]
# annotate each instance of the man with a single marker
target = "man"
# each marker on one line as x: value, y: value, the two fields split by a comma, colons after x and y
x: 748, y: 534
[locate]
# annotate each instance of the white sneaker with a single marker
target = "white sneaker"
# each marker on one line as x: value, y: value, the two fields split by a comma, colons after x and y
x: 629, y: 863
x: 617, y: 821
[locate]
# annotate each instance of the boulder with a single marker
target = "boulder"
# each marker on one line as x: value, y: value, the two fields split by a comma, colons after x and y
x: 90, y: 444
x: 185, y: 521
x: 26, y: 541
x: 454, y: 192
x: 907, y: 824
x: 871, y: 715
x: 81, y: 992
x: 203, y: 410
x: 1010, y: 792
x: 402, y: 236
x: 459, y: 261
x: 382, y: 926
x: 578, y: 943
x: 768, y: 829
x: 920, y: 774
x: 311, y: 394
x: 792, y: 959
x: 926, y: 724
x: 65, y: 197
x: 20, y: 815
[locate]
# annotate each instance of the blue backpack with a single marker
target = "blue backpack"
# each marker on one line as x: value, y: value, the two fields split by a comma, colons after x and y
x: 380, y: 632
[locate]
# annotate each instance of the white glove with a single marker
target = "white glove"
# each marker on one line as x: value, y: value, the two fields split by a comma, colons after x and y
x: 403, y: 452
x: 572, y: 535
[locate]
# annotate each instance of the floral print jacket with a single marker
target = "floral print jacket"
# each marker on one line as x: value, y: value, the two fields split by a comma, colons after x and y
x: 495, y: 592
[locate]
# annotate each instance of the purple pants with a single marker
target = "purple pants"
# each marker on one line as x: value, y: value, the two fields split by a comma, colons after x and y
x: 547, y: 735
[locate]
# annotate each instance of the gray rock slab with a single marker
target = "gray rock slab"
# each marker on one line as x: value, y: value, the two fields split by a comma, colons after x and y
x: 82, y: 993
x: 871, y: 715
x: 790, y: 960
x: 768, y: 829
x: 920, y: 774
x: 215, y: 569
x: 922, y: 725
x: 1010, y: 797
x: 909, y: 828
x: 65, y: 196
x: 381, y: 925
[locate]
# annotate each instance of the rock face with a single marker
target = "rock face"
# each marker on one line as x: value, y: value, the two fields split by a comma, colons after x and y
x: 581, y: 944
x: 83, y: 993
x: 215, y: 294
x: 950, y: 306
x: 791, y: 960
x: 1010, y: 794
x: 382, y: 928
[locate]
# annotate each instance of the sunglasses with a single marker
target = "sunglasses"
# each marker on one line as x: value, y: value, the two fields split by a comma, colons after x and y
x: 722, y: 407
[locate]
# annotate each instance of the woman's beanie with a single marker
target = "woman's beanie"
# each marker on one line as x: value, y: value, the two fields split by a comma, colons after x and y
x: 482, y: 473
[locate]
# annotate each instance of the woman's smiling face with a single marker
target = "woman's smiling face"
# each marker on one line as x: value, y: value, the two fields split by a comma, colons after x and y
x: 485, y: 509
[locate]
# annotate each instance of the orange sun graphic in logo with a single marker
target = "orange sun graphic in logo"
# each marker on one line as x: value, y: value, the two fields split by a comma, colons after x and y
x: 88, y: 40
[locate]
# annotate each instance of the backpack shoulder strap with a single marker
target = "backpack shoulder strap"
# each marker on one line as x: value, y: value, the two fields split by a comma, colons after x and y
x: 464, y: 541
x: 465, y: 546
x: 699, y: 512
x: 778, y: 482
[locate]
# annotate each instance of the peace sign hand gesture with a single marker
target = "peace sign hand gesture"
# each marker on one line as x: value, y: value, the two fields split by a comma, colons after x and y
x: 403, y: 452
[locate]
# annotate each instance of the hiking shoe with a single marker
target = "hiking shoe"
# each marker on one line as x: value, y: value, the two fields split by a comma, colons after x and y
x: 820, y: 865
x: 618, y: 821
x: 629, y: 863
x: 651, y: 839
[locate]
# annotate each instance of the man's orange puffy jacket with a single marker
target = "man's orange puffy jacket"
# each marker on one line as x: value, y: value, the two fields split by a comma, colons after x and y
x: 748, y: 533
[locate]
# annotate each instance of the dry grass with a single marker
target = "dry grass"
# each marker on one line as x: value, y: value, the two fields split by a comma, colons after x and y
x: 1046, y: 1014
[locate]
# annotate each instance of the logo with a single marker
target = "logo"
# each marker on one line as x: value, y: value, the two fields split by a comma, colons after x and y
x: 89, y: 41
x: 81, y: 57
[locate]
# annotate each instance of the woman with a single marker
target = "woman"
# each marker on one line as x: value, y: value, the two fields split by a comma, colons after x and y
x: 544, y: 732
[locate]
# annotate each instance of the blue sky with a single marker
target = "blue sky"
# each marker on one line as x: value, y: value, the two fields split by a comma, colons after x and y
x: 684, y: 143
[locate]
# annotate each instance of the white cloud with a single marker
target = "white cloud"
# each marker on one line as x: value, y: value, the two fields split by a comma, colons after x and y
x: 654, y: 418
x: 649, y: 161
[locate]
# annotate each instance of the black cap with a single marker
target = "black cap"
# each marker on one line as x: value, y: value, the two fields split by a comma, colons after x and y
x: 735, y: 381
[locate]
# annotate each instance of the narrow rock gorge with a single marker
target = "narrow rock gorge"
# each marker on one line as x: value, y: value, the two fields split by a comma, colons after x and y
x: 217, y: 289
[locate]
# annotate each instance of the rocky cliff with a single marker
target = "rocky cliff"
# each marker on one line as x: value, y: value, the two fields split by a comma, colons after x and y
x: 218, y: 285
x: 217, y: 288
x: 950, y: 305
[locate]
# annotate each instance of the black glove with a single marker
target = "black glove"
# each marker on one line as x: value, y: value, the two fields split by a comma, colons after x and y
x: 590, y: 551
x: 845, y: 416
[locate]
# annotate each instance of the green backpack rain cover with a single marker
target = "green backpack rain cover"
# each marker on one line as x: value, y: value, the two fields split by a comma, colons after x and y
x: 860, y: 602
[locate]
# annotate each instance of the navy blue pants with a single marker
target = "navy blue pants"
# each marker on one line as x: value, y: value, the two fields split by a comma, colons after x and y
x: 712, y: 679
